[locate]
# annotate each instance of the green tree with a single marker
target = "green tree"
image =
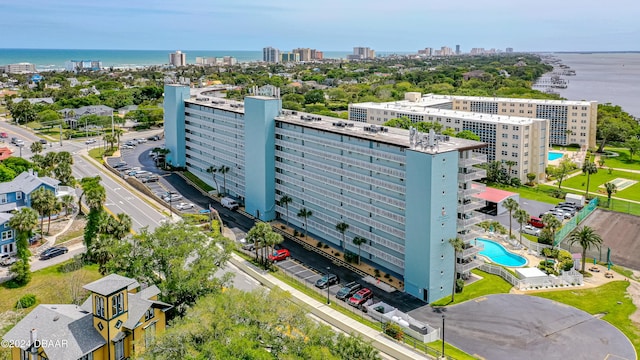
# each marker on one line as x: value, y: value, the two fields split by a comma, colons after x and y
x: 223, y: 169
x: 314, y: 97
x: 23, y: 112
x: 213, y: 170
x: 257, y: 235
x: 586, y: 237
x: 23, y: 222
x: 305, y: 214
x: 42, y: 201
x: 511, y: 205
x: 522, y: 217
x: 67, y: 202
x: 611, y: 189
x: 531, y: 177
x: 510, y: 164
x: 110, y: 139
x: 357, y: 241
x: 178, y: 258
x: 458, y: 245
x: 562, y: 170
x: 589, y: 168
x: 467, y: 134
x: 552, y: 224
x: 342, y: 227
x: 36, y: 147
x: 285, y: 200
x: 633, y: 144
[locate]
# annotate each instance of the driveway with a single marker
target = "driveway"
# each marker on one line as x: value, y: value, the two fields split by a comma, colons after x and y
x: 507, y: 326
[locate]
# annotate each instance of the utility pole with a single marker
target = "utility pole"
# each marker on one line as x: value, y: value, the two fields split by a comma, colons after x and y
x: 113, y: 129
x: 60, y: 134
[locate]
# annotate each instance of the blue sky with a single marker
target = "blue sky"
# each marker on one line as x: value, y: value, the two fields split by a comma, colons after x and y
x: 384, y: 25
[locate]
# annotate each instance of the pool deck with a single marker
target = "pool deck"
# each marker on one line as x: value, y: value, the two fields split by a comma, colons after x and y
x: 598, y: 277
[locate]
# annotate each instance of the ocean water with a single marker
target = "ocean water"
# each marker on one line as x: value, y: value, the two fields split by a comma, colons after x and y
x: 604, y: 77
x: 54, y: 59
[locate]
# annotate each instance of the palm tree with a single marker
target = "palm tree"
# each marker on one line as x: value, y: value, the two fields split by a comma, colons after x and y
x: 257, y: 235
x: 521, y: 216
x: 589, y: 168
x: 285, y: 200
x: 586, y: 237
x: 41, y: 201
x: 511, y: 206
x: 223, y: 169
x: 120, y: 225
x: 36, y: 147
x: 357, y: 241
x: 23, y: 222
x: 342, y: 228
x: 86, y: 184
x: 510, y: 164
x: 552, y: 224
x: 54, y: 207
x: 611, y: 189
x: 272, y: 239
x: 304, y: 214
x: 458, y: 246
x: 66, y: 202
x: 110, y: 139
x: 213, y: 170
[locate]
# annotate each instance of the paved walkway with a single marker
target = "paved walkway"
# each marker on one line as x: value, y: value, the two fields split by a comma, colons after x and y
x: 326, y: 313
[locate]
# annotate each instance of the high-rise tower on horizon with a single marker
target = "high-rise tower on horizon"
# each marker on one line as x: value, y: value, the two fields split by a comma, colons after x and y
x: 178, y: 58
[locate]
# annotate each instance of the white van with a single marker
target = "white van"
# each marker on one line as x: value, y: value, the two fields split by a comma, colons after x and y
x: 229, y: 203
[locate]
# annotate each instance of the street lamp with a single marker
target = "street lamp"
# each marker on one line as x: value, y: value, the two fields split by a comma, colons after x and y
x: 328, y: 285
x: 443, y: 356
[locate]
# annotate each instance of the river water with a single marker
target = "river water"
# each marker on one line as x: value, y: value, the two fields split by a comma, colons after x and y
x: 605, y: 77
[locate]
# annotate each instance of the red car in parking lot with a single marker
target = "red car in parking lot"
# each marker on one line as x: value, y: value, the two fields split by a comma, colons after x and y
x: 358, y: 299
x: 279, y: 255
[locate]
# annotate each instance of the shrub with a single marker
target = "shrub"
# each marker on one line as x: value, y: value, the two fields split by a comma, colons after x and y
x: 326, y: 246
x: 376, y: 272
x: 394, y: 330
x: 459, y: 285
x: 350, y: 257
x: 22, y: 270
x: 386, y: 276
x: 26, y: 301
x: 319, y: 244
x: 76, y: 263
x: 283, y: 227
x: 295, y: 233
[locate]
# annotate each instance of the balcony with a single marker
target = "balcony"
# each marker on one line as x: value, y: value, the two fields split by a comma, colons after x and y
x: 466, y: 267
x: 473, y: 175
x: 470, y: 235
x: 474, y: 159
x: 470, y: 220
x: 473, y: 250
x: 470, y: 205
x: 472, y: 189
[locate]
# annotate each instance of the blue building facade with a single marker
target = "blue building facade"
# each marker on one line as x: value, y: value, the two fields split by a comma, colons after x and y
x: 406, y: 195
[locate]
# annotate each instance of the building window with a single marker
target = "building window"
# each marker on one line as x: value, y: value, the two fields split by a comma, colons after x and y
x: 3, y: 198
x: 6, y: 235
x: 149, y: 314
x: 19, y: 195
x: 119, y: 350
x: 99, y: 306
x: 117, y: 304
x: 89, y: 356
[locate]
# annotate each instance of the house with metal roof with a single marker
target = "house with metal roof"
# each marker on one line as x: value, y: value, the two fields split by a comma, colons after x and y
x: 16, y: 193
x: 115, y: 322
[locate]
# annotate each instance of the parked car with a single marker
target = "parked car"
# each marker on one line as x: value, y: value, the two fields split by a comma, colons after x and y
x: 327, y: 280
x: 531, y: 230
x: 131, y: 143
x: 7, y: 260
x: 126, y: 147
x: 570, y: 204
x: 279, y: 255
x: 90, y: 141
x: 536, y: 222
x: 229, y: 203
x: 154, y: 138
x: 120, y: 164
x: 14, y: 139
x: 19, y: 143
x: 142, y: 141
x: 4, y: 135
x: 150, y: 178
x: 358, y: 299
x: 53, y: 252
x: 348, y: 290
x: 173, y: 197
x: 567, y: 209
x: 184, y: 206
x: 43, y: 141
x: 249, y: 247
x: 142, y: 173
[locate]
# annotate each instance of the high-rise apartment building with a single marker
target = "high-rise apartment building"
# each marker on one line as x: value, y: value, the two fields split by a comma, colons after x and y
x: 458, y: 50
x: 304, y: 54
x: 178, y: 59
x: 406, y: 193
x: 426, y: 52
x: 289, y: 57
x: 362, y: 53
x: 271, y: 55
x: 446, y: 51
x: 81, y: 65
x: 509, y: 138
x: 509, y: 50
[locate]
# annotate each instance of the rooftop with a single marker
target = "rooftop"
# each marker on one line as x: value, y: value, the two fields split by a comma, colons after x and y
x: 111, y: 284
x: 513, y: 100
x: 425, y: 108
x: 382, y: 134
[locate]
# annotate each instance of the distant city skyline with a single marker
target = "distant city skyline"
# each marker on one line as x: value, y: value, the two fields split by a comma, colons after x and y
x: 329, y: 25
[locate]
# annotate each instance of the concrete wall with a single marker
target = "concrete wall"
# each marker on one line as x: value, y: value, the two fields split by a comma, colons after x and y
x: 174, y: 134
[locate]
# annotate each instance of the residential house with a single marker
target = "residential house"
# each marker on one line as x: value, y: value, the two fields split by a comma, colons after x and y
x: 5, y: 153
x: 7, y: 236
x: 116, y: 322
x: 125, y: 109
x: 33, y: 101
x: 16, y: 193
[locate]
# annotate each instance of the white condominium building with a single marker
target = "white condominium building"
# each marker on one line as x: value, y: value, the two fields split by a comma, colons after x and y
x: 571, y: 122
x: 178, y: 59
x: 519, y: 141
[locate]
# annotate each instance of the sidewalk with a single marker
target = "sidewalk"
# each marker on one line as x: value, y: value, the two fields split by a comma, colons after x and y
x: 326, y: 313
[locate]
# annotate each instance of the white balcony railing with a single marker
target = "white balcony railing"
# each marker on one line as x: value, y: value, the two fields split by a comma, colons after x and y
x: 466, y: 267
x: 470, y: 206
x: 473, y: 219
x: 473, y: 175
x: 466, y: 253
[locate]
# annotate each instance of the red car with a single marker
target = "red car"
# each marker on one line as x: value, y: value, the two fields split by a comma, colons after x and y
x: 359, y: 298
x: 279, y: 255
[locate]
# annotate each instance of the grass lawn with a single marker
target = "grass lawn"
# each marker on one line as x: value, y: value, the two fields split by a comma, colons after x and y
x: 603, y: 300
x: 564, y: 148
x: 50, y: 286
x: 201, y: 184
x: 620, y: 206
x: 490, y: 284
x: 603, y: 176
x: 98, y: 153
x: 69, y: 235
x: 622, y: 161
x: 538, y: 193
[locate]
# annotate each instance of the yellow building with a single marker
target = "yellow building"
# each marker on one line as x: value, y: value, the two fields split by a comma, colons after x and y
x: 115, y: 322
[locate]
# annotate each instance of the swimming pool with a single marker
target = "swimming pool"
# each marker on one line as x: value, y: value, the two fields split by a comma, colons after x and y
x: 554, y: 155
x: 499, y: 255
